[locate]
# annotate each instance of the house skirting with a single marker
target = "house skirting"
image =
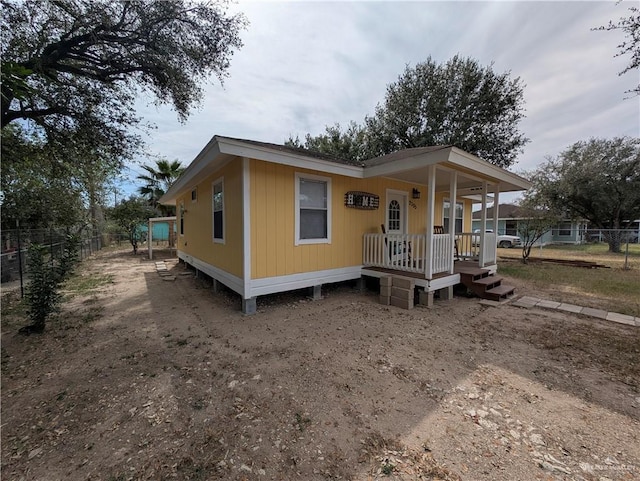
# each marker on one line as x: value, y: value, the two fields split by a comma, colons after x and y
x: 250, y: 288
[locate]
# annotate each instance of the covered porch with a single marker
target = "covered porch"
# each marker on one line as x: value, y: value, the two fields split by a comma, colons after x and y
x: 435, y: 256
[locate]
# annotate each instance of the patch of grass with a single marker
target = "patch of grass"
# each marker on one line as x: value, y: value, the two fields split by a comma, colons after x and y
x: 617, y: 288
x: 13, y: 305
x: 388, y: 468
x: 596, y: 252
x: 83, y: 284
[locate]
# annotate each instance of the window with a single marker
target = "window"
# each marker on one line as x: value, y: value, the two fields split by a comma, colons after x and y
x: 459, y: 216
x: 511, y: 227
x: 313, y: 209
x: 194, y: 195
x: 181, y: 218
x: 394, y: 215
x: 564, y: 229
x: 218, y: 210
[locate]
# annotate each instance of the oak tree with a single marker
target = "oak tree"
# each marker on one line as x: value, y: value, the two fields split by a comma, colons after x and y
x: 76, y: 67
x: 597, y: 180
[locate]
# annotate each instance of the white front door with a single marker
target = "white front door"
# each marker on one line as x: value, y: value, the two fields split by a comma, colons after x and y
x: 396, y: 213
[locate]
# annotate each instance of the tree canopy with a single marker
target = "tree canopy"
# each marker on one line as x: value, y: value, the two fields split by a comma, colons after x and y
x: 46, y: 184
x: 130, y: 215
x: 597, y: 180
x: 458, y: 103
x: 76, y: 67
x: 157, y: 180
x: 630, y: 26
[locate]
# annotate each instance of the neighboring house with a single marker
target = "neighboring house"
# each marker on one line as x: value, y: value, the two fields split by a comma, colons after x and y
x: 510, y: 218
x: 262, y: 218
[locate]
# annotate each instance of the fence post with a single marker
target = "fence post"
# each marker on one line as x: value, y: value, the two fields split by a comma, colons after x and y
x: 626, y: 256
x: 20, y: 260
x: 51, y: 246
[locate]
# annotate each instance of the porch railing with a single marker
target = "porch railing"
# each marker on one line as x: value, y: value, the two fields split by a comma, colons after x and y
x: 489, y: 248
x: 403, y: 252
x: 442, y: 255
x: 407, y: 252
x: 468, y: 246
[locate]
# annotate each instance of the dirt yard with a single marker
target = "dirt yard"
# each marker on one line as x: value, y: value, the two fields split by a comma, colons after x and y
x: 144, y: 378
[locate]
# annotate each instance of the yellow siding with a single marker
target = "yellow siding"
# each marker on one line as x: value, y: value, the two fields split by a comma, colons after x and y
x: 198, y: 229
x: 273, y: 249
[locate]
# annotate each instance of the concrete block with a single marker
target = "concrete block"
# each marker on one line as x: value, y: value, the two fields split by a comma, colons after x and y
x: 249, y: 306
x: 386, y: 281
x: 403, y: 283
x: 530, y: 300
x: 426, y: 298
x: 621, y: 318
x: 570, y: 308
x: 385, y: 300
x: 599, y: 313
x: 402, y: 293
x: 521, y: 303
x: 446, y: 293
x: 548, y: 304
x: 402, y: 303
x: 385, y: 291
x: 361, y: 285
x: 317, y: 292
x: 217, y: 286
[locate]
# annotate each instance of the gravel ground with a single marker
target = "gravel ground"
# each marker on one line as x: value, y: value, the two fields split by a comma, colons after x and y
x: 147, y: 378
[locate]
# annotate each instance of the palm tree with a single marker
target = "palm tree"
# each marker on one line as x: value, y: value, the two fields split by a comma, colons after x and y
x: 158, y: 180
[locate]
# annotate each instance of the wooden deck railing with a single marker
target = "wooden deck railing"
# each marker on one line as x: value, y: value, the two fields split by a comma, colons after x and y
x: 407, y: 252
x: 469, y: 247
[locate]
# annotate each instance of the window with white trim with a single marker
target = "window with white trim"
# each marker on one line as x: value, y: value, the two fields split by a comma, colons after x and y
x: 459, y: 213
x: 313, y: 209
x: 217, y: 204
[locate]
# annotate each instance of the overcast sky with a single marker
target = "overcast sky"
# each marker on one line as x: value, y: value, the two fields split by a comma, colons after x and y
x: 308, y: 64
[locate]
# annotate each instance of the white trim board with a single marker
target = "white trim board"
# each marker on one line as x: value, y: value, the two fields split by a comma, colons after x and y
x: 271, y: 285
x: 232, y: 282
x: 246, y: 225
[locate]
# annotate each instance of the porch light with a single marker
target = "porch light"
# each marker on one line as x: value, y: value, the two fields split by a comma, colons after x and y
x: 415, y: 193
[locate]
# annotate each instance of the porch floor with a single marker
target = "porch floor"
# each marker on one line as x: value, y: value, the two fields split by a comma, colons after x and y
x: 439, y: 280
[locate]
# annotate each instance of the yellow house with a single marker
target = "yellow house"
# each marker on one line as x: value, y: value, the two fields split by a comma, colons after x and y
x: 262, y: 218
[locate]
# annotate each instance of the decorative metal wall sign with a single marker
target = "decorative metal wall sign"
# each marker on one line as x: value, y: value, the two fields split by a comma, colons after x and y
x: 361, y: 200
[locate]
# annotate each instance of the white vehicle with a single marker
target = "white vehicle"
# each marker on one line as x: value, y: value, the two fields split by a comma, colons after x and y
x: 501, y: 240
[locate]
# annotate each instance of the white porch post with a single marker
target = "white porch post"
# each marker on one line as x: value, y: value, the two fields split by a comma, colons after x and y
x: 453, y: 194
x: 483, y: 223
x: 496, y: 205
x: 150, y: 239
x: 431, y: 200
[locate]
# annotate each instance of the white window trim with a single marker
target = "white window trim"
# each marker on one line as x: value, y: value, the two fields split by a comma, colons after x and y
x: 297, y: 240
x: 182, y: 211
x: 224, y: 217
x: 446, y: 199
x: 404, y: 219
